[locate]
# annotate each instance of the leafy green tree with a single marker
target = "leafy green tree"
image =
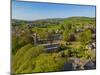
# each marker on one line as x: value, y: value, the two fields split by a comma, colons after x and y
x: 42, y: 34
x: 85, y: 37
x: 50, y: 36
x: 17, y: 59
x: 68, y: 36
x: 24, y: 60
x: 15, y: 45
x: 62, y: 27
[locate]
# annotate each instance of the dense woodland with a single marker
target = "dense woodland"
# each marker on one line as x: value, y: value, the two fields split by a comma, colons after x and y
x: 60, y: 44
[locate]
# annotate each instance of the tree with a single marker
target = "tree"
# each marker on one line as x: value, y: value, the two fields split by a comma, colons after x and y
x: 24, y: 60
x: 42, y: 34
x: 62, y: 27
x: 85, y: 37
x: 68, y: 36
x: 51, y: 34
x: 68, y: 25
x: 18, y: 57
x: 15, y: 45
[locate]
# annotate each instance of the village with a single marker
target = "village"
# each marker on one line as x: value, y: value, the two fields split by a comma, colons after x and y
x: 74, y: 44
x: 54, y: 40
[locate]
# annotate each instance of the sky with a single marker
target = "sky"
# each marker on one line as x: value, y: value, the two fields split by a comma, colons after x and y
x: 35, y: 11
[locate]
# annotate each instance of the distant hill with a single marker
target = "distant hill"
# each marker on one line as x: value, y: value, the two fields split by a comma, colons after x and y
x: 56, y: 21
